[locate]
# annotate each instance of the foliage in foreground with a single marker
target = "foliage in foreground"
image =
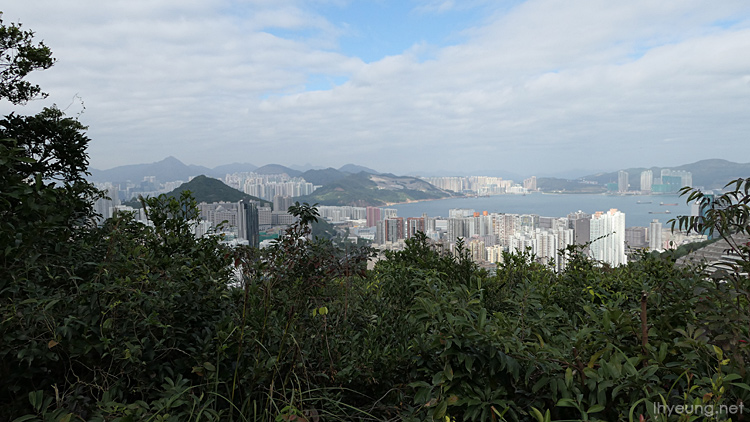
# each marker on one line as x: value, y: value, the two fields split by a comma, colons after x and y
x: 128, y: 322
x: 149, y: 323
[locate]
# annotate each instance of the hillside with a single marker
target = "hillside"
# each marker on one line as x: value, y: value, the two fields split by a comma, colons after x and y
x: 710, y: 173
x: 166, y: 170
x: 206, y: 189
x: 277, y: 169
x: 364, y: 189
x: 551, y: 184
x: 354, y: 169
x: 323, y: 177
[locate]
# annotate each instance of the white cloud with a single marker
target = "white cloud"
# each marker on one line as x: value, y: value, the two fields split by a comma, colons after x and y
x: 547, y: 84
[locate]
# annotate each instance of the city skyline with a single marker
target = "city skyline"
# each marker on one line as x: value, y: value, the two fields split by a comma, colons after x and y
x: 531, y: 87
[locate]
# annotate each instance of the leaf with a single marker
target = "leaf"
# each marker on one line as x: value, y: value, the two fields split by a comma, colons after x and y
x: 741, y: 385
x: 566, y: 403
x: 35, y: 398
x: 595, y: 408
x: 537, y: 414
x: 568, y: 377
x: 718, y: 351
x: 440, y: 410
x: 596, y: 357
x: 26, y: 418
x: 51, y: 344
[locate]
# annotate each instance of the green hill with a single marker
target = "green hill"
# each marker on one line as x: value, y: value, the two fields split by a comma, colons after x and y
x: 207, y: 189
x: 323, y: 177
x: 365, y: 189
x: 710, y: 173
x: 551, y: 184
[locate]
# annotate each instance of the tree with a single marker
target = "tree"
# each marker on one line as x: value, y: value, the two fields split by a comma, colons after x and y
x: 724, y: 215
x: 19, y: 56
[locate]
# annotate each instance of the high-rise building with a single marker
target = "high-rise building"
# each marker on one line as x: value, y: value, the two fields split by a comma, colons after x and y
x: 414, y: 225
x: 373, y: 216
x: 622, y: 181
x: 380, y: 232
x: 636, y: 238
x: 249, y: 229
x: 647, y: 179
x: 608, y: 237
x: 530, y: 183
x: 393, y: 228
x: 264, y: 217
x: 654, y: 236
x: 282, y: 203
x: 388, y: 213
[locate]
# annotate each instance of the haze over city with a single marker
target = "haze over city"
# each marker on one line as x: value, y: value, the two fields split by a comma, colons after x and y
x: 534, y: 87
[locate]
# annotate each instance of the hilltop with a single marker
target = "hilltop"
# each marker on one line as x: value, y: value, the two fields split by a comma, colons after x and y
x: 166, y: 170
x: 710, y: 174
x: 207, y: 189
x: 364, y: 189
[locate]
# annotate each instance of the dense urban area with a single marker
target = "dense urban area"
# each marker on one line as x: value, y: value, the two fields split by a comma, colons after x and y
x: 603, y: 234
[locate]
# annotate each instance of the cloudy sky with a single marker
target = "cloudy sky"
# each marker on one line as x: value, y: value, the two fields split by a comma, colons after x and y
x: 405, y: 86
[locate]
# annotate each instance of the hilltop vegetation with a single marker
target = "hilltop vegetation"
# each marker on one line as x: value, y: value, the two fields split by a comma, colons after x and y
x: 207, y: 189
x: 364, y: 189
x: 710, y: 174
x: 550, y: 184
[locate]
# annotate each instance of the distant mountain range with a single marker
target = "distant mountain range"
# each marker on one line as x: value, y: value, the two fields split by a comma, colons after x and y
x: 357, y: 185
x: 171, y: 169
x: 709, y: 174
x: 166, y: 170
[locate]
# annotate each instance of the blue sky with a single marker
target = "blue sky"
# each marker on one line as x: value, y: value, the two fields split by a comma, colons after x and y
x: 428, y: 86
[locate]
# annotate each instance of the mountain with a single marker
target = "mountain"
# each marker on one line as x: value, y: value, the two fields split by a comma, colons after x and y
x: 715, y: 173
x: 363, y: 189
x: 305, y: 167
x: 166, y: 170
x: 553, y: 184
x: 354, y: 169
x: 221, y: 171
x: 323, y: 177
x: 709, y: 174
x: 277, y: 169
x: 207, y: 189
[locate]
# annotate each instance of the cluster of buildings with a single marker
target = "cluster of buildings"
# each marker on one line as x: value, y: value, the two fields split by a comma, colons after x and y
x: 482, y: 185
x: 485, y: 236
x: 269, y: 186
x: 149, y: 186
x: 667, y: 181
x: 244, y: 222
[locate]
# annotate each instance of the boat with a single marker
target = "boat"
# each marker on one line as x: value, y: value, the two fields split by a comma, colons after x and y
x: 660, y: 212
x: 664, y: 205
x: 643, y: 202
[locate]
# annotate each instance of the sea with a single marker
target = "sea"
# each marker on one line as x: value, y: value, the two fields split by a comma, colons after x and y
x: 639, y: 210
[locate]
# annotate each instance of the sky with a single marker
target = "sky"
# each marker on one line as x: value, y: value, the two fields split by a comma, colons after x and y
x: 536, y: 87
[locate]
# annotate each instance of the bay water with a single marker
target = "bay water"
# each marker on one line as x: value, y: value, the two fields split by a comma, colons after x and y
x: 639, y: 210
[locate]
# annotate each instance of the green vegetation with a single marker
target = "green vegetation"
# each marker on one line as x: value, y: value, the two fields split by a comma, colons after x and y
x: 553, y: 185
x: 323, y: 177
x: 129, y: 322
x: 364, y: 189
x: 207, y: 189
x: 710, y: 173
